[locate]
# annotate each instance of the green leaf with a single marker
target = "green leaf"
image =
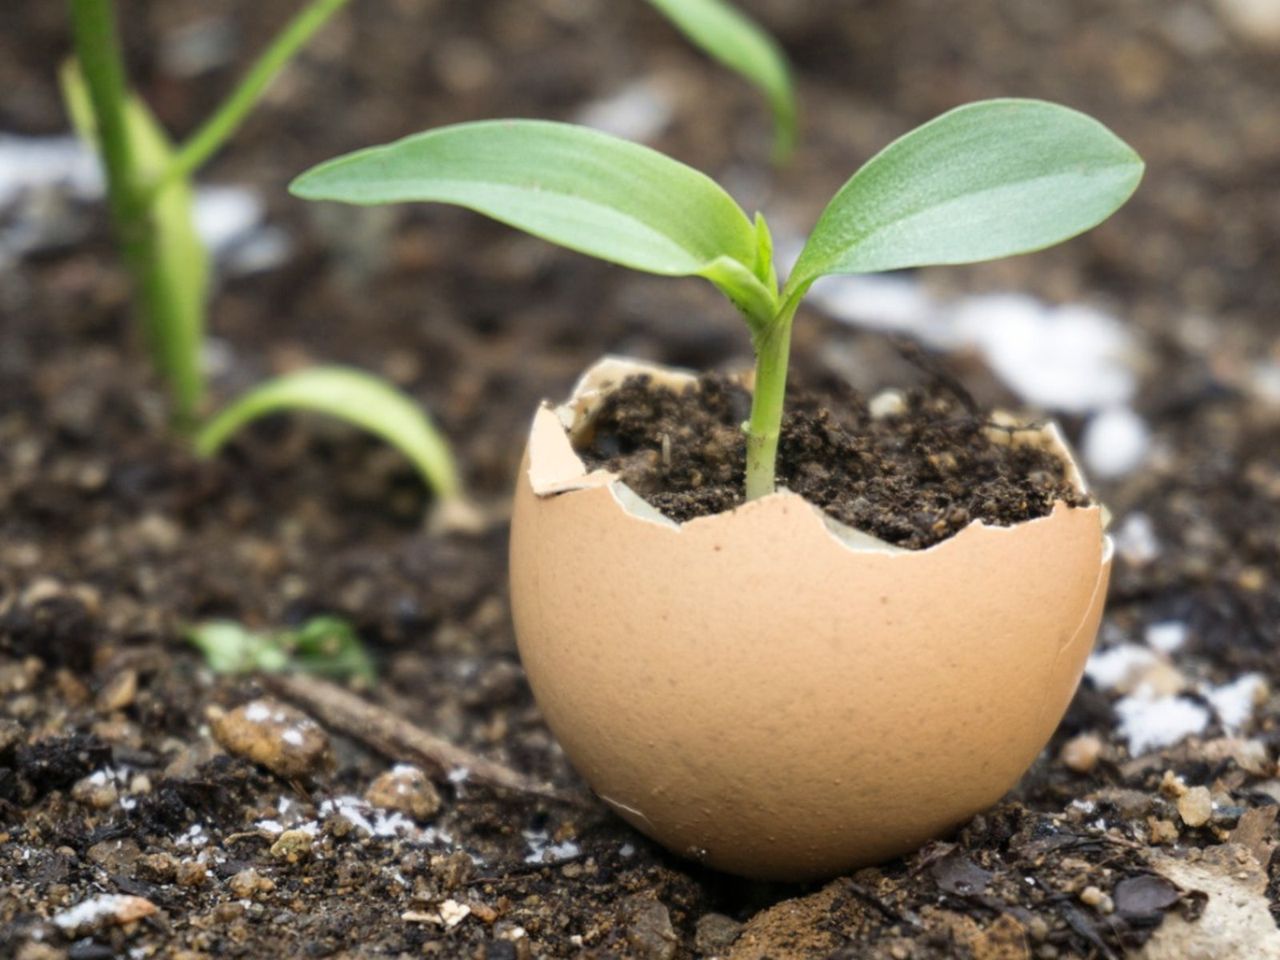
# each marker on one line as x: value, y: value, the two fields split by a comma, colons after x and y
x: 177, y: 278
x: 739, y: 43
x: 355, y: 397
x: 576, y: 187
x: 986, y: 180
x: 325, y: 645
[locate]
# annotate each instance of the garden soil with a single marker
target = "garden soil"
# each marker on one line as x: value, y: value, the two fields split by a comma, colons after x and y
x: 909, y: 468
x: 149, y: 807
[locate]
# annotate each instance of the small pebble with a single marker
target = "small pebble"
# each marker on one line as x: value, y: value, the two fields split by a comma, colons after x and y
x: 1162, y: 831
x: 650, y: 934
x: 292, y: 846
x: 887, y: 403
x: 452, y: 870
x: 1195, y: 807
x: 1172, y: 785
x: 453, y: 913
x: 248, y: 883
x: 190, y: 873
x: 156, y: 868
x: 115, y: 856
x: 1094, y: 897
x: 98, y: 913
x: 95, y: 791
x: 119, y: 691
x: 405, y: 788
x: 715, y: 933
x: 1081, y: 753
x: 275, y: 735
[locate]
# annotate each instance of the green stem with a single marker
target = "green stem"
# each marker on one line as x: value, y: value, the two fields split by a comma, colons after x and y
x: 215, y: 131
x: 98, y: 51
x: 773, y: 350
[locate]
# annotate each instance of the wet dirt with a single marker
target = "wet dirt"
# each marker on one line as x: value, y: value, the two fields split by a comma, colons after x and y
x: 113, y: 535
x: 917, y: 470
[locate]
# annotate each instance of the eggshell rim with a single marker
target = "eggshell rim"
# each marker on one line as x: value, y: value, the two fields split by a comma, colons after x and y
x: 555, y: 469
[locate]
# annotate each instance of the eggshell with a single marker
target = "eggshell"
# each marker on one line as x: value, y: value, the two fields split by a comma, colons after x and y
x: 773, y: 694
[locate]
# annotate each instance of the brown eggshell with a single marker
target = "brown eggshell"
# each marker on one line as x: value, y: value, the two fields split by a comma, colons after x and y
x: 777, y: 696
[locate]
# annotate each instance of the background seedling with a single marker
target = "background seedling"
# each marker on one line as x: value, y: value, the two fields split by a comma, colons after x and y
x: 730, y: 37
x: 985, y: 180
x: 326, y: 645
x: 150, y: 193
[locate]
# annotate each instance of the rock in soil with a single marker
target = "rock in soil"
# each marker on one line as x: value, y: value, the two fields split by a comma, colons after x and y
x: 405, y: 788
x: 279, y: 737
x: 1236, y: 922
x: 112, y: 909
x: 650, y: 934
x: 1195, y: 807
x: 715, y: 933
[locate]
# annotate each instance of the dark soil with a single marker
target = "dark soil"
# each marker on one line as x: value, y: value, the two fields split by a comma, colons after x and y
x: 913, y: 477
x: 113, y: 535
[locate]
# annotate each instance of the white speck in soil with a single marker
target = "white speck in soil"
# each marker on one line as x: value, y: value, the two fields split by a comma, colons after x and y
x: 1166, y: 636
x: 1136, y: 540
x: 193, y: 837
x: 1116, y: 442
x: 541, y: 850
x: 293, y: 736
x: 28, y: 163
x: 1235, y: 702
x: 1118, y: 666
x: 1149, y: 723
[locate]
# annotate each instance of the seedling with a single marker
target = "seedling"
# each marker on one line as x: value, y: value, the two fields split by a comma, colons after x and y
x: 327, y: 645
x: 149, y: 186
x: 983, y: 181
x: 150, y: 190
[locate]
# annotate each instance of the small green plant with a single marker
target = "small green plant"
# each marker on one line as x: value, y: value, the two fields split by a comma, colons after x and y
x: 150, y: 192
x: 734, y: 40
x: 326, y: 645
x: 983, y: 181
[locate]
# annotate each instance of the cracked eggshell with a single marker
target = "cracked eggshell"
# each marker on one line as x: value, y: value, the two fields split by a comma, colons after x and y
x: 773, y: 694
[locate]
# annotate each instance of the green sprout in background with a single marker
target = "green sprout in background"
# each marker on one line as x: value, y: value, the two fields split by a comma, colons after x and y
x: 149, y: 189
x: 985, y: 180
x: 327, y: 646
x: 150, y: 192
x: 738, y: 43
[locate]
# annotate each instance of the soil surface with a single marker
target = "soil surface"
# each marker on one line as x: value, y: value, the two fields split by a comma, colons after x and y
x: 910, y: 468
x: 150, y: 807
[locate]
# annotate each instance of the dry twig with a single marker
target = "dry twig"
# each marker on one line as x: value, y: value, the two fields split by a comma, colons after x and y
x: 398, y: 739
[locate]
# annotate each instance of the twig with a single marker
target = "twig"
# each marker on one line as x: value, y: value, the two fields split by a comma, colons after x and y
x: 393, y: 737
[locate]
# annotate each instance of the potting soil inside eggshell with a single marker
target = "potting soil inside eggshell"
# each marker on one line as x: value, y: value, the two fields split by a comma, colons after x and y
x: 912, y: 477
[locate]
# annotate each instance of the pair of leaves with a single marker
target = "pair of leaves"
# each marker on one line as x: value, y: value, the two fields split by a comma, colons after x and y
x: 326, y: 645
x: 985, y: 180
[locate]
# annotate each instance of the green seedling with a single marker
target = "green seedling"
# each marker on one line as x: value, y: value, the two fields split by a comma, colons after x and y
x: 734, y: 40
x: 327, y: 646
x: 983, y: 181
x: 352, y: 395
x: 150, y: 191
